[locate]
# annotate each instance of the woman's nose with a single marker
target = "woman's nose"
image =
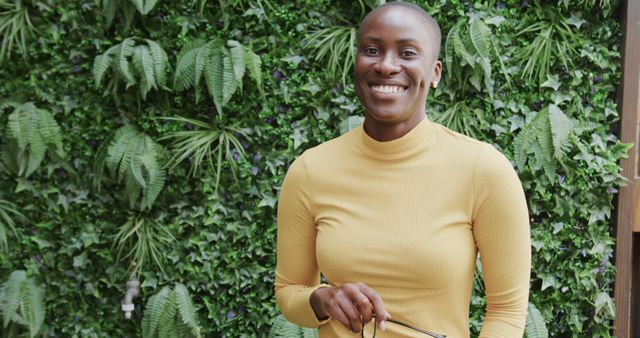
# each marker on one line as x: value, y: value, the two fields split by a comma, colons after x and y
x: 387, y: 65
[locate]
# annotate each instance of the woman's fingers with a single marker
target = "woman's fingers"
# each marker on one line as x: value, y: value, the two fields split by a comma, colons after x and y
x: 355, y: 323
x: 364, y: 307
x: 352, y: 304
x: 378, y: 306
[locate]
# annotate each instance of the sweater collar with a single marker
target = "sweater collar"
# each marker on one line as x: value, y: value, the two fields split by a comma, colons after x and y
x: 406, y: 145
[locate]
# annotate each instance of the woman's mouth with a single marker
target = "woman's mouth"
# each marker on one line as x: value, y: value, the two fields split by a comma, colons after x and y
x: 388, y: 89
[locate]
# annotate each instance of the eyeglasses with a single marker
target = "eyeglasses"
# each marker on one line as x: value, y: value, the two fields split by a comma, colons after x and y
x: 375, y: 327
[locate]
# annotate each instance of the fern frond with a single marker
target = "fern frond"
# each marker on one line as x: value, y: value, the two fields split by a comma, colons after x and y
x: 186, y: 310
x: 253, y: 64
x: 167, y: 323
x: 561, y: 127
x: 449, y: 49
x: 153, y: 311
x: 201, y: 58
x: 184, y: 76
x: 144, y: 65
x: 160, y: 62
x: 116, y: 151
x: 228, y: 78
x: 33, y: 307
x: 11, y: 293
x: 535, y: 326
x: 282, y: 328
x: 37, y: 151
x: 139, y: 5
x: 461, y: 50
x: 214, y: 71
x: 31, y: 133
x: 236, y: 53
x: 133, y: 157
x: 480, y: 37
x: 148, y: 6
x: 124, y: 67
x: 109, y: 9
x: 100, y: 66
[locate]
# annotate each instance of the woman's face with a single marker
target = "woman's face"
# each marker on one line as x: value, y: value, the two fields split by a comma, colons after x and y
x: 395, y: 65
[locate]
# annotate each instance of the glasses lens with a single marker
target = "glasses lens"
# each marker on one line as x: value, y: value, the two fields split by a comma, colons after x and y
x: 369, y: 329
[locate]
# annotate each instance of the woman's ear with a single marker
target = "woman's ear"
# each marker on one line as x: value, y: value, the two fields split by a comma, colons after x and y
x: 436, y: 72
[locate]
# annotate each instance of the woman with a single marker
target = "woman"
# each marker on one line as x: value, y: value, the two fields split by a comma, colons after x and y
x: 394, y: 212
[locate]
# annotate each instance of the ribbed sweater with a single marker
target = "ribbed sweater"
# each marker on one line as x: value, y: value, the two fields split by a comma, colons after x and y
x: 408, y: 218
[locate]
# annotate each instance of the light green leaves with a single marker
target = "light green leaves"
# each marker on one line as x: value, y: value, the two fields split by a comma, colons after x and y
x: 471, y: 43
x: 170, y: 313
x: 535, y: 326
x: 32, y: 133
x: 223, y: 68
x: 128, y: 9
x: 336, y: 45
x: 553, y: 42
x: 134, y: 158
x: 142, y: 239
x: 22, y: 303
x: 282, y: 328
x: 544, y: 141
x: 15, y: 28
x: 8, y: 213
x: 207, y: 142
x: 144, y: 65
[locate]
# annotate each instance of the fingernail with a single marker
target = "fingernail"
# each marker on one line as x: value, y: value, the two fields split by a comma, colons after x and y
x: 383, y: 325
x: 388, y: 314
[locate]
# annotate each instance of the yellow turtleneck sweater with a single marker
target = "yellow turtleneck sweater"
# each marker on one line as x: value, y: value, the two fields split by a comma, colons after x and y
x: 407, y: 218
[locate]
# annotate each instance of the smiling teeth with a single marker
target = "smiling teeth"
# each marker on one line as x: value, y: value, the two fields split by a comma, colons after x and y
x: 388, y: 89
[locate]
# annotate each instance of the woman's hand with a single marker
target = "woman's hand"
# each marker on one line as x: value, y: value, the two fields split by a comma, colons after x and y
x: 352, y: 304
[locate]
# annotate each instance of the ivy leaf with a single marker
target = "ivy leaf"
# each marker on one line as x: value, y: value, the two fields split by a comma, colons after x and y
x: 552, y: 82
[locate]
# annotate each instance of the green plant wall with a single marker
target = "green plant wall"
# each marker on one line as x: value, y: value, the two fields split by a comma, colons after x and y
x: 537, y: 79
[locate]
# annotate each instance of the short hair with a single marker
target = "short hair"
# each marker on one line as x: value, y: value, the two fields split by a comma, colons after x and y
x: 430, y: 23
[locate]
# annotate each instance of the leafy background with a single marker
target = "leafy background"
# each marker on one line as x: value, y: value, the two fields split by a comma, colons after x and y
x: 535, y: 78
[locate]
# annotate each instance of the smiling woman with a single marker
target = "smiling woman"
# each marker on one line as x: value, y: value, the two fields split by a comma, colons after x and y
x: 395, y: 212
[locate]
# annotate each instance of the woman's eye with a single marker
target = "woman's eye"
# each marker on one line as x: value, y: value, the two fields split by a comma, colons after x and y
x: 371, y: 51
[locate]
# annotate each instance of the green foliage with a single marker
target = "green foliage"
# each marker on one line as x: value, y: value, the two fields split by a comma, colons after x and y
x: 22, y: 305
x: 134, y: 158
x: 335, y: 46
x: 207, y: 142
x: 544, y: 141
x: 8, y: 213
x: 170, y: 313
x: 470, y: 43
x: 554, y: 41
x: 128, y: 9
x: 145, y: 239
x: 223, y: 68
x: 223, y: 234
x: 32, y: 133
x: 144, y: 65
x: 15, y: 27
x: 282, y: 328
x: 462, y: 118
x: 535, y: 327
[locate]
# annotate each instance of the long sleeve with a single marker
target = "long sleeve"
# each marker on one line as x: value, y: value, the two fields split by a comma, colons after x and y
x: 297, y: 273
x: 501, y: 232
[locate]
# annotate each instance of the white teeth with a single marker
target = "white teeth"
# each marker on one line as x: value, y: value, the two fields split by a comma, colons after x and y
x: 388, y: 89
